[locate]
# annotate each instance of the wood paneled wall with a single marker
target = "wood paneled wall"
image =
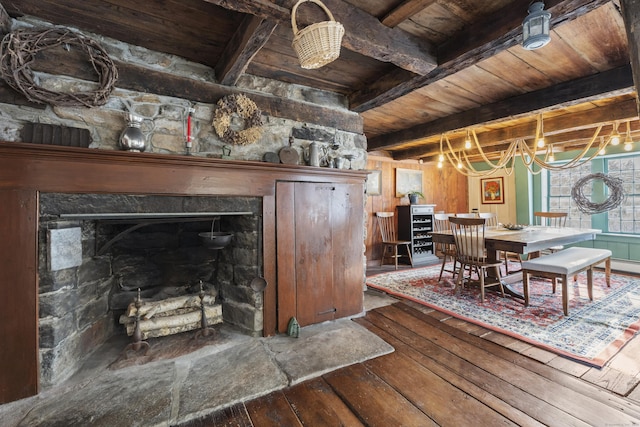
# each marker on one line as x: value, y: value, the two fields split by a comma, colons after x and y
x: 445, y: 188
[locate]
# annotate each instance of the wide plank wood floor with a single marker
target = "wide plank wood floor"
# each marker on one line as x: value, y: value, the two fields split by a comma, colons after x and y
x: 448, y: 372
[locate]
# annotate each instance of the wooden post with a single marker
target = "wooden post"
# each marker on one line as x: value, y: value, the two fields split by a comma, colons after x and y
x: 631, y: 17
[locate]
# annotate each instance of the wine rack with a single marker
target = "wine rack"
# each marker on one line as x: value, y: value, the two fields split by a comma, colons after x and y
x: 415, y: 223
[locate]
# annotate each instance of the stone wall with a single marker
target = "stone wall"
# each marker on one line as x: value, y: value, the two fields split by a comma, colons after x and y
x: 164, y: 117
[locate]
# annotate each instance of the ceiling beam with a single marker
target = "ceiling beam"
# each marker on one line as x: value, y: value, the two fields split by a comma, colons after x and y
x: 557, y: 130
x: 613, y: 82
x: 404, y: 11
x: 500, y: 31
x: 364, y: 34
x: 631, y: 17
x: 252, y: 34
x: 142, y: 79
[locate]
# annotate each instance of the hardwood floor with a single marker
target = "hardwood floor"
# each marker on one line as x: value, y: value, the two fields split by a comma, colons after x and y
x: 449, y: 372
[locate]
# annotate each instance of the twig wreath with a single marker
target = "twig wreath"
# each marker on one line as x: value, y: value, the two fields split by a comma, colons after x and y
x: 616, y: 194
x: 240, y: 106
x: 19, y: 49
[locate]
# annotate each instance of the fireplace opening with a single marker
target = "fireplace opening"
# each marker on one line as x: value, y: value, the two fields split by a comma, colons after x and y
x: 97, y: 250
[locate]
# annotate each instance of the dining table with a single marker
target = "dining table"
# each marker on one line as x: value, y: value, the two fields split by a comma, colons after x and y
x: 530, y: 241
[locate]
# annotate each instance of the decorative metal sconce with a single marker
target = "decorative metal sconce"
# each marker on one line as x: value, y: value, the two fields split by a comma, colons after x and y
x: 535, y: 27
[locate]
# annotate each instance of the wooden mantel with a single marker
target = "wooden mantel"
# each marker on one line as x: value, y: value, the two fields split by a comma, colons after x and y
x: 28, y: 169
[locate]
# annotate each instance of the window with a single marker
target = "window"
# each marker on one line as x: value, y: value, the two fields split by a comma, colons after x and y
x: 624, y: 220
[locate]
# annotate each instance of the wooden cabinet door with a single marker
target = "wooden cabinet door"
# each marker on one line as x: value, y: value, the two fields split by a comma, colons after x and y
x: 320, y: 248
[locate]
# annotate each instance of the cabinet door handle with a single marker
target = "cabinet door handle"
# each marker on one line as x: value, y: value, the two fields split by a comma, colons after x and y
x: 333, y: 310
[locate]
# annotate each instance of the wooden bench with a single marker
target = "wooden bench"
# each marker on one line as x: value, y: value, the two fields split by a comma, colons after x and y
x: 565, y: 263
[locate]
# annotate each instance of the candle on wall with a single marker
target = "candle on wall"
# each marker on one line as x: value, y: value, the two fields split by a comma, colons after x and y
x: 189, y: 126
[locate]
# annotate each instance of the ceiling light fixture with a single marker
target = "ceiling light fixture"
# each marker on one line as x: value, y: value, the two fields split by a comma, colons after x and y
x: 540, y: 132
x: 550, y: 156
x: 628, y: 141
x: 519, y: 147
x: 467, y: 142
x: 615, y: 135
x: 535, y: 27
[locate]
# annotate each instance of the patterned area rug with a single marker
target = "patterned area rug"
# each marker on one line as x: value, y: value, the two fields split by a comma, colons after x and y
x: 592, y: 333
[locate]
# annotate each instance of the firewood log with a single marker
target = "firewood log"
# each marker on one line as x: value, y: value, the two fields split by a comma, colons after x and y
x: 148, y: 309
x: 168, y: 325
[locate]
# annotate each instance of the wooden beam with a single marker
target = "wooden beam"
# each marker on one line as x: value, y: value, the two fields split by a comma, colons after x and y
x: 404, y: 11
x: 631, y: 16
x: 247, y: 41
x: 498, y: 32
x: 141, y: 79
x: 616, y: 81
x: 559, y: 129
x: 364, y: 34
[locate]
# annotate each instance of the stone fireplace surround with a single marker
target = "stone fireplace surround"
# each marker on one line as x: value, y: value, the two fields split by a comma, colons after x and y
x: 153, y: 246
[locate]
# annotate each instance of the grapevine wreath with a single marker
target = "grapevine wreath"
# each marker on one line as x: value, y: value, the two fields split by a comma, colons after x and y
x: 246, y: 109
x: 19, y: 49
x: 616, y: 194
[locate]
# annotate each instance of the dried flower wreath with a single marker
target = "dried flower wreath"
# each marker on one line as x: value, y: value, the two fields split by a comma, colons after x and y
x: 18, y: 51
x: 615, y: 199
x: 243, y: 107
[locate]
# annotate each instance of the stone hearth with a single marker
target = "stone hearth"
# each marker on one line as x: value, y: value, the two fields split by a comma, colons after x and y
x: 95, y: 251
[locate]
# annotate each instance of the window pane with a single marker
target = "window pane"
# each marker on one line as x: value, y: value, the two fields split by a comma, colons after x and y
x: 559, y: 194
x: 626, y: 218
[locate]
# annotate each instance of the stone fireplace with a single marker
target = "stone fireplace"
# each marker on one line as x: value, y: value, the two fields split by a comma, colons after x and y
x: 304, y: 277
x: 96, y: 250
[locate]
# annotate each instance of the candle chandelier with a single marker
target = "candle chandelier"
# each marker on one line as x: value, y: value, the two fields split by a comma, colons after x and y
x: 540, y: 153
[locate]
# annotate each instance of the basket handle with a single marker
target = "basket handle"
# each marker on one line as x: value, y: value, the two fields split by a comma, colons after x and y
x: 295, y: 8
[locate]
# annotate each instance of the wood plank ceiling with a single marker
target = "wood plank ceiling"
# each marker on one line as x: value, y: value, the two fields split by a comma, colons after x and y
x: 413, y: 69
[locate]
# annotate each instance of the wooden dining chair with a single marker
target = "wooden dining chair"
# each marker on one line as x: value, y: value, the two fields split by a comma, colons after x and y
x: 551, y: 219
x: 446, y: 250
x: 390, y: 242
x: 468, y: 234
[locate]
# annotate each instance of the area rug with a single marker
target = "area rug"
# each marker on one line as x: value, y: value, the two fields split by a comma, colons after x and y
x: 592, y: 332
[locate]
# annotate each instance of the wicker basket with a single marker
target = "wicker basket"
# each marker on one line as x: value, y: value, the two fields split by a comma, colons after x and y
x: 319, y: 43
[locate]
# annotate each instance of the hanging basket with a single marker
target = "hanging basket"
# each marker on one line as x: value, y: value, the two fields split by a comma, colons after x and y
x: 319, y: 43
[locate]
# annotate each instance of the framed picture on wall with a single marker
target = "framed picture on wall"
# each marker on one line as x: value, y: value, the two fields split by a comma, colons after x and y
x: 407, y: 181
x: 374, y: 183
x: 492, y: 190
